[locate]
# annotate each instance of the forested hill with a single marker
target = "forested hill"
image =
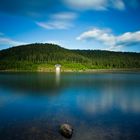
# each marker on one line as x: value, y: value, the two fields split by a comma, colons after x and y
x: 44, y: 56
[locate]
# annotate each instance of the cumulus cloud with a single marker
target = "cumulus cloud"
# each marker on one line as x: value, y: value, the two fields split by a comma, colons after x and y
x: 113, y: 42
x: 59, y: 21
x: 129, y: 38
x: 96, y: 4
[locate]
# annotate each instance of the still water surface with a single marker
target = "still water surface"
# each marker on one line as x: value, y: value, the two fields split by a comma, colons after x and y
x: 99, y: 106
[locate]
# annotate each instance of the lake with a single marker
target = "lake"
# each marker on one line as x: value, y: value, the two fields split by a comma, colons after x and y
x: 99, y: 106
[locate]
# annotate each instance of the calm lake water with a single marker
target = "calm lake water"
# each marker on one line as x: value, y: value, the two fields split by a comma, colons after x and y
x: 99, y: 106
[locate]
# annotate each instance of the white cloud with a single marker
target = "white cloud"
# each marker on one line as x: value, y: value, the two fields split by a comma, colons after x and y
x: 64, y: 16
x: 96, y: 4
x: 7, y: 41
x: 59, y: 21
x: 129, y: 38
x: 54, y: 25
x: 118, y: 4
x: 112, y: 41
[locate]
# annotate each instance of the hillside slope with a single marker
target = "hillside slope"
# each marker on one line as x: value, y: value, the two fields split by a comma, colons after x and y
x: 43, y: 57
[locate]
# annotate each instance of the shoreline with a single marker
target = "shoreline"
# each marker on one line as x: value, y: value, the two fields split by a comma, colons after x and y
x: 78, y: 71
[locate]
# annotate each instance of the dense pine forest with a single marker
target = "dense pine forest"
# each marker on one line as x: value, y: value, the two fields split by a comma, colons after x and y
x: 43, y: 57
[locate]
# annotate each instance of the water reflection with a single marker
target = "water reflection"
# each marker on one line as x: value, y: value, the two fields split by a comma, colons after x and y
x: 107, y: 102
x: 93, y: 93
x: 117, y: 93
x: 58, y: 76
x: 30, y: 83
x: 99, y: 106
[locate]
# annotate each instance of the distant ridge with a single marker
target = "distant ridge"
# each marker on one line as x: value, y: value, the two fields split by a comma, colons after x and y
x: 43, y: 57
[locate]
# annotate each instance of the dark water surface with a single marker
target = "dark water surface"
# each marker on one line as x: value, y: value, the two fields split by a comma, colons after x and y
x: 99, y: 106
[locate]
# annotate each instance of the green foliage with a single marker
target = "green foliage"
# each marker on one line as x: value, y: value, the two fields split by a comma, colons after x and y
x: 43, y: 57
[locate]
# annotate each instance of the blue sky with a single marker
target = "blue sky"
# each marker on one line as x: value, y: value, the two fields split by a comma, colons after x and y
x: 74, y: 24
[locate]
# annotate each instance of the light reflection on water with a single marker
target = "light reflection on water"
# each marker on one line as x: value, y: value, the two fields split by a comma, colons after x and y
x: 106, y: 102
x: 58, y: 76
x: 99, y: 106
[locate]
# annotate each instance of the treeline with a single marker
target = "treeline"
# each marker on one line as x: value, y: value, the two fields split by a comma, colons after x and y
x: 108, y: 59
x: 32, y: 56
